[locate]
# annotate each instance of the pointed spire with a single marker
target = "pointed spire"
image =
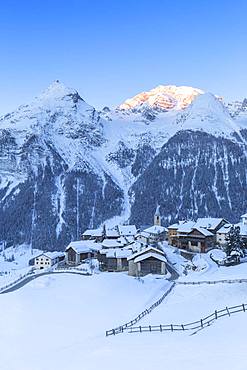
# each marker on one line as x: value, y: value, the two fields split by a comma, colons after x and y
x: 157, y: 212
x: 157, y: 218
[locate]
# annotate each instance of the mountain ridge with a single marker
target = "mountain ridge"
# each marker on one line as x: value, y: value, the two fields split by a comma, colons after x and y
x: 67, y: 166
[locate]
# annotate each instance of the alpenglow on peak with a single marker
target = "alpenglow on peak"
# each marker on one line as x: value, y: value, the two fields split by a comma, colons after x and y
x: 165, y: 97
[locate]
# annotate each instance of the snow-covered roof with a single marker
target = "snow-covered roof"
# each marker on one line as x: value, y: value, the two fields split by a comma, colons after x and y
x: 224, y: 229
x: 148, y: 255
x: 186, y: 227
x: 136, y: 246
x: 173, y: 226
x: 112, y: 233
x: 143, y: 233
x: 84, y: 246
x: 145, y: 250
x: 155, y: 230
x: 203, y: 231
x: 118, y: 253
x: 111, y: 243
x: 208, y: 222
x: 177, y: 224
x: 51, y: 255
x: 205, y: 223
x: 130, y: 239
x: 127, y: 230
x: 93, y: 232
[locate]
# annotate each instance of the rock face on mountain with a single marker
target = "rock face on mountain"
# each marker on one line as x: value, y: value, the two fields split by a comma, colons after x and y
x: 65, y: 167
x: 194, y: 175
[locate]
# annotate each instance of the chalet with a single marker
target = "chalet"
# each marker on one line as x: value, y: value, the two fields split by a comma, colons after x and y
x: 149, y: 260
x: 197, y: 240
x: 78, y: 251
x: 114, y: 259
x: 175, y: 229
x: 197, y: 236
x: 222, y: 233
x: 48, y: 259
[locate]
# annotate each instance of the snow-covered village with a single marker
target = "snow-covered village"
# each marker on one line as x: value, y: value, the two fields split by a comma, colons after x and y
x: 123, y: 185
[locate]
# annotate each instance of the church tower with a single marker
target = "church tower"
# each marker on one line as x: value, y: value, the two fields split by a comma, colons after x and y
x: 157, y: 218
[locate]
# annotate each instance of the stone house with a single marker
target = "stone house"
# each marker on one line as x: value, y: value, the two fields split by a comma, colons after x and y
x: 48, y: 259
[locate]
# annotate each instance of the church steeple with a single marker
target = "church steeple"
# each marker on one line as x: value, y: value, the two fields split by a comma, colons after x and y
x: 157, y: 218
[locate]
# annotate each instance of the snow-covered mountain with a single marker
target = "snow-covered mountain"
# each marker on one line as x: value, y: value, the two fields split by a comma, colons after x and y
x: 163, y: 97
x: 66, y: 167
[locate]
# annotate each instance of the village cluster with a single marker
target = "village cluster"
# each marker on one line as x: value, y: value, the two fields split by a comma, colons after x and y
x: 125, y: 248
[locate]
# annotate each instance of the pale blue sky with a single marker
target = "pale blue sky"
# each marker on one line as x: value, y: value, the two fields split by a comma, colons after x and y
x: 110, y: 50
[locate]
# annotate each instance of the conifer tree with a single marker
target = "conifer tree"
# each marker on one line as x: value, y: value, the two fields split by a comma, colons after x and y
x: 233, y: 241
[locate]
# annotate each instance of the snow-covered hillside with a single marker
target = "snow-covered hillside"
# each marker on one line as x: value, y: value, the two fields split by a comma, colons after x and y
x: 66, y: 167
x: 36, y: 335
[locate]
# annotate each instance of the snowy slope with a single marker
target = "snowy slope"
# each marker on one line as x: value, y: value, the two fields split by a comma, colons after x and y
x: 38, y: 336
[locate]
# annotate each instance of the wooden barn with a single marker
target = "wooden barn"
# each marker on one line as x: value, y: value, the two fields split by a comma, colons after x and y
x: 149, y: 260
x: 78, y: 251
x: 114, y: 259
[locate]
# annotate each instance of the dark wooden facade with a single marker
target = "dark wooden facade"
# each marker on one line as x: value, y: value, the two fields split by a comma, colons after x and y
x: 150, y: 265
x: 196, y: 241
x: 74, y: 258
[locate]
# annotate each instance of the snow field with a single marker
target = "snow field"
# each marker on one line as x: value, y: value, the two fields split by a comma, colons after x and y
x: 58, y: 322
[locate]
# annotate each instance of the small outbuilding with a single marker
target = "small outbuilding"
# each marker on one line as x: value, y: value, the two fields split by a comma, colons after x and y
x: 78, y: 251
x: 114, y: 259
x: 149, y: 260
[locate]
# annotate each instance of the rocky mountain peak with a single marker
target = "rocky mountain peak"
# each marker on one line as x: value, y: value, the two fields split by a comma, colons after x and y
x: 58, y: 91
x: 165, y: 97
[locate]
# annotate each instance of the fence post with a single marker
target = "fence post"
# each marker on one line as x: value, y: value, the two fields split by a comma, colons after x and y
x: 216, y: 314
x: 243, y: 307
x: 150, y: 328
x: 182, y: 326
x: 160, y: 327
x: 140, y: 329
x: 171, y: 327
x: 201, y: 323
x: 229, y: 314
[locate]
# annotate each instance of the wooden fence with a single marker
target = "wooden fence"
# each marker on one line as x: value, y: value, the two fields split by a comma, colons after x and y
x: 129, y: 324
x: 196, y: 325
x: 227, y: 281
